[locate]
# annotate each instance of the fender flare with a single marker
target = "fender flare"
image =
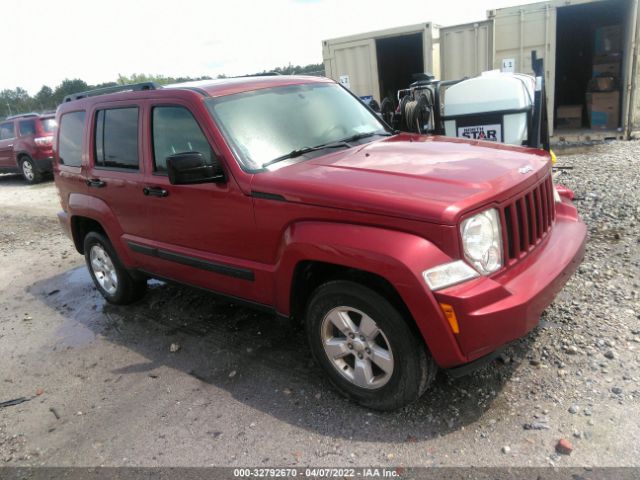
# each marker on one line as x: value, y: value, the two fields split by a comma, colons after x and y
x: 83, y: 205
x: 398, y: 257
x: 18, y: 154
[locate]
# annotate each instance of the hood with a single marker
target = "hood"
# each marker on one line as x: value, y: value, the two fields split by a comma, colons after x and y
x: 422, y: 177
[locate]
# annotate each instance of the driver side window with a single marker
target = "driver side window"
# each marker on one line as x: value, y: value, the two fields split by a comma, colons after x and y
x: 176, y: 131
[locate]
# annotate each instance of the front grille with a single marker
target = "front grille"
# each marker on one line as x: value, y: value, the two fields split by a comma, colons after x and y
x: 527, y: 220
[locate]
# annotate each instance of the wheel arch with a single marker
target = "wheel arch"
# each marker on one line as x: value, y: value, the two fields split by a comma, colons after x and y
x: 308, y: 275
x: 20, y: 155
x: 80, y: 227
x: 88, y: 212
x: 390, y: 262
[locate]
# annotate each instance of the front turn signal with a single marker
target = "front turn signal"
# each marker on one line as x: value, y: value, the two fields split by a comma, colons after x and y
x: 450, y: 315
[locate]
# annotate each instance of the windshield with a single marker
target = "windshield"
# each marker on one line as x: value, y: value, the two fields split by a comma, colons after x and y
x: 48, y: 124
x: 263, y: 125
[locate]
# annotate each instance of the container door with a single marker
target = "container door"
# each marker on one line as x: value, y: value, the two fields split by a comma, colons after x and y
x: 466, y: 50
x: 520, y: 30
x: 631, y: 98
x: 354, y: 65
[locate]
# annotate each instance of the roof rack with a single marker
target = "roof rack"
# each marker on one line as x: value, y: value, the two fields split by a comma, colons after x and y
x: 263, y: 74
x: 18, y: 115
x: 134, y: 87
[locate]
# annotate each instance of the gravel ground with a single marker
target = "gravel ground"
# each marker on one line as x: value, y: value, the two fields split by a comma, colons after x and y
x: 239, y: 389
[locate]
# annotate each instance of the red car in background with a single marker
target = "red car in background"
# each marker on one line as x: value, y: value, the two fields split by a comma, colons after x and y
x: 26, y: 145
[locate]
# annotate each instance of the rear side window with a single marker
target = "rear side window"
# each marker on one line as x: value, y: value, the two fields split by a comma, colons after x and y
x: 48, y: 124
x: 7, y: 130
x: 70, y: 140
x: 116, y: 138
x: 176, y: 131
x: 27, y: 127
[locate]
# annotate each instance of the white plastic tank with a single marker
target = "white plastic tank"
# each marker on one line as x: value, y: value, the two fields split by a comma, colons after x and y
x: 494, y: 106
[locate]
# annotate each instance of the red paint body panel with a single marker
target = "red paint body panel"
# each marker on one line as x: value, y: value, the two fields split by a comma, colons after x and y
x: 391, y: 207
x: 494, y: 311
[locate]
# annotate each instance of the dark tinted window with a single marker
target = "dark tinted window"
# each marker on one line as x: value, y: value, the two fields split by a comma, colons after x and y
x: 7, y: 130
x: 176, y: 131
x: 48, y: 124
x: 117, y: 138
x: 27, y: 127
x: 70, y: 140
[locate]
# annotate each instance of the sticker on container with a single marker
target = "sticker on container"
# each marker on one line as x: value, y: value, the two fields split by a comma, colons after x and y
x: 490, y: 133
x: 344, y: 81
x: 508, y: 65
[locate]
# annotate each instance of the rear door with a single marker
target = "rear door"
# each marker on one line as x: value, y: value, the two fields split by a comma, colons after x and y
x: 7, y: 138
x: 115, y: 168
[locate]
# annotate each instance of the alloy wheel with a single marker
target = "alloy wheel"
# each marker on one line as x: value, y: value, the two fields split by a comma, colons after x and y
x: 357, y: 347
x: 27, y: 170
x: 103, y: 269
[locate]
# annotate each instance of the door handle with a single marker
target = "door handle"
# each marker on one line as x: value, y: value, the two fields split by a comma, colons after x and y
x: 155, y: 192
x: 9, y: 146
x: 96, y: 183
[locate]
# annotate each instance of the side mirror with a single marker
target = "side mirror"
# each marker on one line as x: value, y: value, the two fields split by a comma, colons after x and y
x: 190, y: 167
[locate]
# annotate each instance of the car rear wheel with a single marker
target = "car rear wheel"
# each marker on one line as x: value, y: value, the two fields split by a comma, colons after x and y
x: 366, y: 346
x: 110, y: 277
x: 29, y: 172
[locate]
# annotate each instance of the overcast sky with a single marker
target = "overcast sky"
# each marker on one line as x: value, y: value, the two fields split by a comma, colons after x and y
x: 46, y: 42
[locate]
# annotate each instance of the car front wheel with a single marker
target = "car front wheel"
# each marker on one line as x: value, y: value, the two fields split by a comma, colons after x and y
x: 107, y: 272
x: 366, y: 346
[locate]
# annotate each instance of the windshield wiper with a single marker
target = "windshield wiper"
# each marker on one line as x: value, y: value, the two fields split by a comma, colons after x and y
x: 301, y: 151
x: 359, y: 136
x: 340, y: 143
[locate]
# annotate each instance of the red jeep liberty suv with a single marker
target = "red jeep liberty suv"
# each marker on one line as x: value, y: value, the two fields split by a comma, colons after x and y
x: 401, y: 253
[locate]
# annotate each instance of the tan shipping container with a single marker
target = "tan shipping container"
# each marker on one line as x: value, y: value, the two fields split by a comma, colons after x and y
x: 466, y: 50
x: 563, y: 33
x: 377, y: 64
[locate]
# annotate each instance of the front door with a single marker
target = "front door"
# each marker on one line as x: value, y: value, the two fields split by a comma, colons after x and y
x: 201, y: 231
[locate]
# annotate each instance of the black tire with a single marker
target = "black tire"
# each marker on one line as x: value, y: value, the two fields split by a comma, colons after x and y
x: 413, y: 367
x: 127, y: 289
x: 28, y: 170
x: 387, y: 109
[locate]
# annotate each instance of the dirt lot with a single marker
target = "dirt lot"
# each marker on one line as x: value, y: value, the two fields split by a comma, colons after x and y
x: 105, y: 389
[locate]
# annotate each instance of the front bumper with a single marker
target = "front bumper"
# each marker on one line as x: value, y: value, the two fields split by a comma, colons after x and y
x: 493, y: 311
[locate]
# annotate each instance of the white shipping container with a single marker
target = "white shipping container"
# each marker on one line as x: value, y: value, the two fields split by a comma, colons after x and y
x: 466, y: 50
x: 377, y: 64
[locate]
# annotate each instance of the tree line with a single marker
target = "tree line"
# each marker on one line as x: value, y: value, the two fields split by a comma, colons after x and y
x: 13, y: 102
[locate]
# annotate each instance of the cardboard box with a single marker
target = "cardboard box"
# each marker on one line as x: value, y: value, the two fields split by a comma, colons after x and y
x: 608, y: 39
x: 606, y: 70
x: 614, y: 57
x: 569, y: 116
x: 604, y: 110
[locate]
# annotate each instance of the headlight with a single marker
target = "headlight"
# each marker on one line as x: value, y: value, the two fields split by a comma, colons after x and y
x: 482, y: 242
x: 448, y: 274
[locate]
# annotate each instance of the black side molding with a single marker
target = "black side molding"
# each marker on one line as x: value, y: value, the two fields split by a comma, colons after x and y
x: 268, y: 196
x: 261, y: 307
x: 236, y: 272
